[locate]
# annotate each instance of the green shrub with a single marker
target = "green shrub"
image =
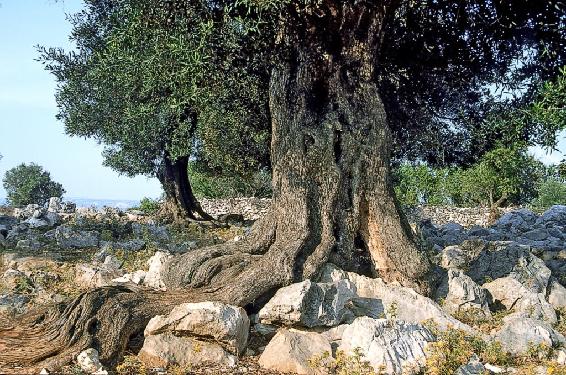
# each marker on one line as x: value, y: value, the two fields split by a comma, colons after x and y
x: 550, y: 192
x: 343, y: 364
x: 420, y: 184
x: 27, y: 184
x: 501, y: 177
x: 454, y: 348
x: 149, y: 206
x: 207, y: 184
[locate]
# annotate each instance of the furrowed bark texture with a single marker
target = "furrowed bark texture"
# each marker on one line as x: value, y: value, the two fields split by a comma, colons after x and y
x: 333, y: 200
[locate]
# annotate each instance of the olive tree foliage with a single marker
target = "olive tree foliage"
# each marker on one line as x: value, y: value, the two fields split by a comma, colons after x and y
x: 538, y: 121
x: 157, y: 81
x: 550, y: 106
x: 451, y: 71
x: 503, y: 176
x: 552, y: 189
x: 29, y: 183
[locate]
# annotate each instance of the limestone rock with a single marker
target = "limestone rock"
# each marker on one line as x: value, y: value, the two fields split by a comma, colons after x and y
x: 519, y: 333
x: 26, y: 212
x: 396, y: 346
x: 516, y: 221
x: 54, y: 204
x: 88, y: 361
x: 95, y: 276
x: 291, y: 350
x: 473, y: 367
x: 153, y: 276
x: 503, y: 259
x: 28, y: 244
x: 514, y: 295
x: 166, y: 349
x: 136, y: 277
x: 68, y: 238
x: 557, y: 295
x: 453, y: 257
x: 11, y: 278
x: 8, y: 221
x: 398, y: 302
x: 464, y: 294
x: 13, y: 302
x: 310, y: 304
x: 226, y: 325
x: 555, y: 214
x: 111, y: 262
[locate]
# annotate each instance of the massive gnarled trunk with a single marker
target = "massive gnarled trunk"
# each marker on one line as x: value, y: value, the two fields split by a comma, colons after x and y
x: 180, y: 200
x: 333, y: 200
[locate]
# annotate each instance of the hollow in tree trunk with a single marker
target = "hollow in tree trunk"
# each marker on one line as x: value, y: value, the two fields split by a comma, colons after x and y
x: 333, y: 200
x: 180, y: 202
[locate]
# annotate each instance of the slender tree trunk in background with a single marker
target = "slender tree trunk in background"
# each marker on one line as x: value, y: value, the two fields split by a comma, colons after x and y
x: 333, y: 200
x: 494, y: 213
x: 180, y: 201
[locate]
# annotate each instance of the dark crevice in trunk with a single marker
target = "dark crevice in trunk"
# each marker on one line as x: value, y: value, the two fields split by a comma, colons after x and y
x: 337, y: 146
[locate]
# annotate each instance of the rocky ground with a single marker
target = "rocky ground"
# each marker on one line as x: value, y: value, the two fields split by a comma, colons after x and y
x: 500, y: 307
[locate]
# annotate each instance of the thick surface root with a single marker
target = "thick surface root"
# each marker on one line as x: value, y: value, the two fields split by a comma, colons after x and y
x: 105, y: 318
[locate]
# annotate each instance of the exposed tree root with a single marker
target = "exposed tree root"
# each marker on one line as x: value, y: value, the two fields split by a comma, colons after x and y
x: 333, y: 201
x: 105, y: 318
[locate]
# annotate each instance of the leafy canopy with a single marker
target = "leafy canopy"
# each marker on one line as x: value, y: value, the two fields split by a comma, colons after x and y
x: 27, y: 184
x: 158, y: 80
x: 506, y: 174
x: 450, y: 71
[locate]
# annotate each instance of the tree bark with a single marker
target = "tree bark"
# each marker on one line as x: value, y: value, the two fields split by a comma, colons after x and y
x: 333, y: 200
x: 180, y: 202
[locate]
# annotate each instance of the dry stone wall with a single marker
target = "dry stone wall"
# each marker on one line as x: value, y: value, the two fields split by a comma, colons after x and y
x: 254, y: 208
x: 249, y: 208
x: 466, y: 217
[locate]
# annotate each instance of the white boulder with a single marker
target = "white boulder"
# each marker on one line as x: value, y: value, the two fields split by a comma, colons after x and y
x: 290, y: 351
x: 392, y: 345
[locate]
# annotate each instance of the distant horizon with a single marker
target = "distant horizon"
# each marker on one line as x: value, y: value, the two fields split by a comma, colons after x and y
x: 90, y: 202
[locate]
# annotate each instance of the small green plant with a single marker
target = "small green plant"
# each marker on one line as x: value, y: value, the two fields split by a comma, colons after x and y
x: 149, y: 206
x: 343, y: 364
x: 24, y: 286
x: 454, y: 348
x: 538, y: 353
x: 478, y: 319
x: 131, y: 365
x: 392, y: 310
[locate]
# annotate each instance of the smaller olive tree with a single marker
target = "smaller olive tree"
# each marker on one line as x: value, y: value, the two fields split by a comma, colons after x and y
x: 27, y: 184
x: 506, y: 175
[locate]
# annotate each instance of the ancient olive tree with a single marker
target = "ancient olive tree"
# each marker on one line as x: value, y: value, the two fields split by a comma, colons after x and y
x: 148, y: 80
x: 348, y: 74
x: 28, y: 184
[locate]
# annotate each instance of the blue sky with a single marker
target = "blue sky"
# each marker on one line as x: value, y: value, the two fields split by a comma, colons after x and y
x: 28, y: 129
